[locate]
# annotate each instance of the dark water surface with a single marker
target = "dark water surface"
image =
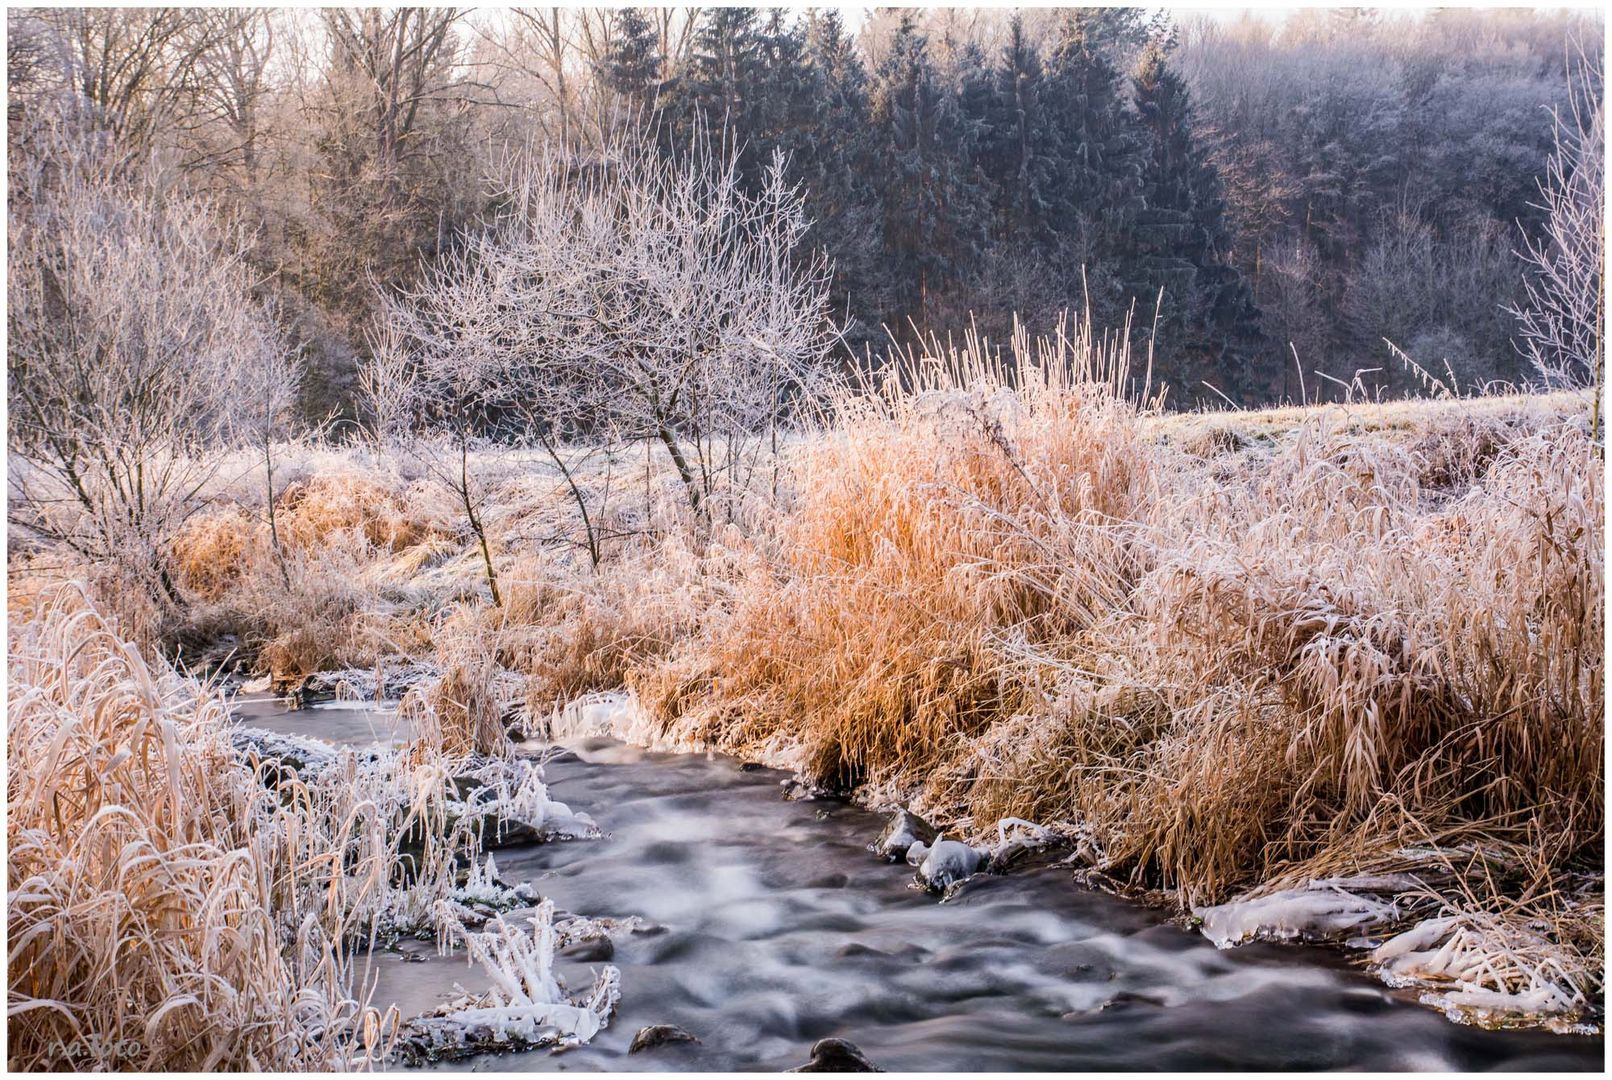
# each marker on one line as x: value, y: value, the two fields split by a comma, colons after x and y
x: 775, y: 927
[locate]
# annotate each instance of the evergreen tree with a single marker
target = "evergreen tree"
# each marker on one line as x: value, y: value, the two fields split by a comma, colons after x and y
x: 631, y: 67
x: 1097, y: 192
x: 932, y: 214
x: 1182, y: 242
x: 789, y: 98
x: 973, y: 79
x: 1120, y: 34
x: 718, y: 90
x: 843, y: 111
x: 1022, y: 157
x: 838, y: 171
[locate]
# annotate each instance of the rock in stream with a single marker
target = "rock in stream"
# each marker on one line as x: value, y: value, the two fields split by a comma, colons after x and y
x: 904, y: 830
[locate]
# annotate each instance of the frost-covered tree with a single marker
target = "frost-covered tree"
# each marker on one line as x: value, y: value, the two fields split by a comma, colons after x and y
x: 632, y: 296
x: 841, y: 181
x: 136, y: 348
x: 1562, y: 324
x: 1101, y: 154
x: 1023, y: 162
x: 434, y: 388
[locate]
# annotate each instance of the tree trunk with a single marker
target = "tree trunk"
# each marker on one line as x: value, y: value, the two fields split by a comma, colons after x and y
x: 274, y: 524
x: 684, y: 471
x: 577, y: 495
x: 475, y: 521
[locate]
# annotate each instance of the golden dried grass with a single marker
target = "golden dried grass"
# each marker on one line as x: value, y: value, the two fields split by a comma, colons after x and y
x: 309, y: 603
x: 998, y: 592
x: 457, y: 713
x: 357, y: 501
x: 1233, y: 650
x: 573, y: 633
x: 874, y: 630
x: 150, y: 873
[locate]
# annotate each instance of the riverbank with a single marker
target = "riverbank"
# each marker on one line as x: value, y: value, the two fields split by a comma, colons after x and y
x: 763, y: 924
x: 1236, y: 654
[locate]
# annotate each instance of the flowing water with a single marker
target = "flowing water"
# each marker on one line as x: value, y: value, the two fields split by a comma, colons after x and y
x: 771, y: 926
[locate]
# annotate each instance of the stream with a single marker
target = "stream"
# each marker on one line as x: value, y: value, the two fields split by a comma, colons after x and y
x: 772, y: 926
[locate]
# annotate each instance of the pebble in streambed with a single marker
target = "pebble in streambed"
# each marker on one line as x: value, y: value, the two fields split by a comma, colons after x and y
x: 836, y: 1055
x: 648, y: 1038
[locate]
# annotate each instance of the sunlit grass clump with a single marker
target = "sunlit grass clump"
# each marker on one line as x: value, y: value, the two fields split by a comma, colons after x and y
x: 997, y: 585
x: 162, y: 910
x: 1233, y: 664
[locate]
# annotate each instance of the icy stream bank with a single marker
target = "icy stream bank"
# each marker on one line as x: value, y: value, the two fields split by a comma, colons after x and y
x: 765, y: 925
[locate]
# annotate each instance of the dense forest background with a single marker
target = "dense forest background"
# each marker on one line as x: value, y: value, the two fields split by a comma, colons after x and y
x: 1261, y: 198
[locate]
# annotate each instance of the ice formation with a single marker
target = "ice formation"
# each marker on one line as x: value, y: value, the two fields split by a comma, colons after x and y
x: 1324, y: 910
x: 510, y: 795
x: 1016, y: 837
x: 527, y: 1007
x: 610, y: 716
x: 350, y: 686
x: 948, y: 862
x: 484, y: 895
x: 1484, y: 970
x: 903, y: 831
x: 430, y: 813
x: 304, y: 757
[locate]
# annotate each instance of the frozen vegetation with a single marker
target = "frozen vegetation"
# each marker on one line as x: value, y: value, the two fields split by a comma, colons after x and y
x: 527, y: 1008
x: 1321, y: 672
x: 1328, y: 910
x: 1163, y: 695
x: 1480, y: 969
x: 230, y: 875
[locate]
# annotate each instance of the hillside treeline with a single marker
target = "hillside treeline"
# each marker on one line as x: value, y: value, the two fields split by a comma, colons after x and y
x: 1257, y: 199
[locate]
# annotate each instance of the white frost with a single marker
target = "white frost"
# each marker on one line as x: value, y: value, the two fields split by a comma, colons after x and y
x: 484, y: 887
x: 948, y: 862
x: 527, y: 1006
x: 1319, y: 911
x: 1481, y: 969
x: 612, y: 716
x: 512, y: 793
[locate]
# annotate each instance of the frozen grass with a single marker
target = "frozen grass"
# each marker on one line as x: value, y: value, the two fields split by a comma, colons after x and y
x: 1485, y: 968
x: 159, y: 913
x: 1235, y: 653
x: 184, y: 895
x: 528, y: 1006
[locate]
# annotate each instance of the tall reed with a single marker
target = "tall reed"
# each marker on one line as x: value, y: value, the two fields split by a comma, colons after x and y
x: 153, y: 879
